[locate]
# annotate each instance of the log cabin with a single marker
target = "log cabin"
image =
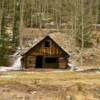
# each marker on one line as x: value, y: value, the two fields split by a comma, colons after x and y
x: 51, y: 51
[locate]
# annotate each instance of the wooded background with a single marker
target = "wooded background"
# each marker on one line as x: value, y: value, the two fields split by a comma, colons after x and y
x: 79, y: 18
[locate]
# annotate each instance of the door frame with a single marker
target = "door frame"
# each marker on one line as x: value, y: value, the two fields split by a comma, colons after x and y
x: 39, y: 60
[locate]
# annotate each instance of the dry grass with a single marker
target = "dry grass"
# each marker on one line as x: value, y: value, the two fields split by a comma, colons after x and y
x: 49, y: 85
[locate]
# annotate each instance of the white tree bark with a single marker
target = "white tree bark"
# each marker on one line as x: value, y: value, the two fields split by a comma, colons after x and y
x: 21, y: 23
x: 82, y: 31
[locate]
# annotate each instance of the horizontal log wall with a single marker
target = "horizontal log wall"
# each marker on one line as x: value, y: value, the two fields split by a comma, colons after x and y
x: 62, y: 63
x: 29, y: 60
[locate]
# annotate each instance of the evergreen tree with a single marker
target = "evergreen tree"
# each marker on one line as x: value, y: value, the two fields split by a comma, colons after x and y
x: 16, y: 23
x: 4, y: 40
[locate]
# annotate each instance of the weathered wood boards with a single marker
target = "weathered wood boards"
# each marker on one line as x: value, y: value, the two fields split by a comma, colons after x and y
x: 45, y: 54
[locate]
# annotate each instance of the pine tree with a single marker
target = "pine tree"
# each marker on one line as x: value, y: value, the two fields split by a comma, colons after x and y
x: 4, y: 39
x: 16, y: 23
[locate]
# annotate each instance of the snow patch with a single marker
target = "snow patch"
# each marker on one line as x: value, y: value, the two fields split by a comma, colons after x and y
x: 15, y: 66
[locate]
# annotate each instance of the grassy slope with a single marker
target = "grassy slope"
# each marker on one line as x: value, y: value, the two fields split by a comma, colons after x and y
x: 49, y: 86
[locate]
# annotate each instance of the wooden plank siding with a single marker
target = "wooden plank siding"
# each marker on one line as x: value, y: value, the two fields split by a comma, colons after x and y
x: 53, y: 50
x: 29, y: 59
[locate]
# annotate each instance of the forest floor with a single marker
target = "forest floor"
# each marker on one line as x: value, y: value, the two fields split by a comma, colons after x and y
x: 49, y: 85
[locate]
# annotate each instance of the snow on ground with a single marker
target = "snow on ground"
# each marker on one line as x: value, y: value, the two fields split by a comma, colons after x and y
x: 15, y: 66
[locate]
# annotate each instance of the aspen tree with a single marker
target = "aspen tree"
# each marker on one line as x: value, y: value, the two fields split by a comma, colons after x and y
x: 21, y: 23
x: 82, y: 31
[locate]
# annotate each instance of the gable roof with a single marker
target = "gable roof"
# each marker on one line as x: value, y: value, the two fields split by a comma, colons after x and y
x: 59, y: 38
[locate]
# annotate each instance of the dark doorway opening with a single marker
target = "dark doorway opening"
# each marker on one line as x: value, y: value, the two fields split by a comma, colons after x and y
x: 51, y: 62
x: 39, y: 61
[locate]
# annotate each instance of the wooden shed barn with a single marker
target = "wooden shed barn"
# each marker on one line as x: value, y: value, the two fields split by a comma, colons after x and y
x: 48, y: 52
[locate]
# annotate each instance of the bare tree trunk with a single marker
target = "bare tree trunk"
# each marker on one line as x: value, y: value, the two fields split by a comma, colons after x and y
x: 96, y: 19
x: 36, y: 12
x: 32, y: 13
x: 82, y: 31
x: 21, y: 23
x: 57, y: 14
x: 14, y: 14
x: 75, y: 22
x: 97, y: 11
x: 40, y: 15
x: 1, y: 16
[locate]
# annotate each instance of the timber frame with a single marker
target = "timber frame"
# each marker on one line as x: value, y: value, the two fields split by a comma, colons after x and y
x: 45, y: 54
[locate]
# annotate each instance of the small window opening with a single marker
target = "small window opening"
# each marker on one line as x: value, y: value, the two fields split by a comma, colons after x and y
x: 51, y: 60
x: 47, y: 44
